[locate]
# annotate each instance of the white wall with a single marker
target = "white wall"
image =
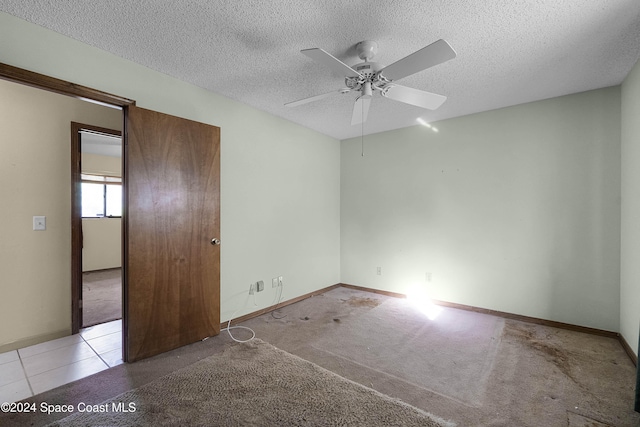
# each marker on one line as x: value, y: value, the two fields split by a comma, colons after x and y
x: 35, y: 179
x: 280, y: 182
x: 514, y: 210
x: 630, y: 266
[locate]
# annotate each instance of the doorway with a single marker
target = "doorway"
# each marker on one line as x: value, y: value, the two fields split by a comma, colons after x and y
x: 96, y: 224
x: 171, y: 222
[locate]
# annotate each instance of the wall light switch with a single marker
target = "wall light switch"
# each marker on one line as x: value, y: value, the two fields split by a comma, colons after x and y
x: 39, y: 223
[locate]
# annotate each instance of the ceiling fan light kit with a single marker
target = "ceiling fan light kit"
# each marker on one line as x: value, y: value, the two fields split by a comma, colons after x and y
x: 368, y: 78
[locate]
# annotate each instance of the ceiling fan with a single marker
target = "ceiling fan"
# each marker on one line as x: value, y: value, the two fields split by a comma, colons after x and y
x: 368, y: 78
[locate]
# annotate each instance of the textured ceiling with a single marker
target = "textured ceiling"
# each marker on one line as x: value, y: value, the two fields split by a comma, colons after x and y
x: 509, y: 51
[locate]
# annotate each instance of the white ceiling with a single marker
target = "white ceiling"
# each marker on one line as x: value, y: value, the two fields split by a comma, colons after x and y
x: 509, y: 51
x: 103, y: 145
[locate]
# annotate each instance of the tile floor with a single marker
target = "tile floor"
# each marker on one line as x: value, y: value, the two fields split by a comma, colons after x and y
x: 41, y: 367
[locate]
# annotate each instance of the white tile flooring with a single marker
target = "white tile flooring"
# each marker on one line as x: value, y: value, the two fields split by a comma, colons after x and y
x: 41, y: 367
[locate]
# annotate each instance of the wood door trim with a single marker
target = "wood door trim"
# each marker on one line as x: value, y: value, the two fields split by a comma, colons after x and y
x: 636, y: 406
x: 52, y: 84
x: 76, y: 219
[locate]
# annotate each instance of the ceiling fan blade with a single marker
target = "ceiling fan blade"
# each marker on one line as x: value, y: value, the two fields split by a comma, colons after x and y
x: 419, y: 98
x: 328, y: 60
x: 360, y: 110
x: 314, y: 98
x: 434, y: 54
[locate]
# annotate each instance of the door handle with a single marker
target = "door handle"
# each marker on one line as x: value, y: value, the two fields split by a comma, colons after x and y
x: 215, y: 241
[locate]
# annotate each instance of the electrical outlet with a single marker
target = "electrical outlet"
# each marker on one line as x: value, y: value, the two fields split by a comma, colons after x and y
x: 39, y: 223
x: 279, y: 280
x: 260, y: 286
x: 428, y: 276
x: 252, y: 288
x: 379, y: 271
x: 274, y: 282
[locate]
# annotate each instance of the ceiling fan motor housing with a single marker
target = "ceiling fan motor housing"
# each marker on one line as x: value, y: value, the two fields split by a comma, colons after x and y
x: 368, y: 74
x: 367, y: 69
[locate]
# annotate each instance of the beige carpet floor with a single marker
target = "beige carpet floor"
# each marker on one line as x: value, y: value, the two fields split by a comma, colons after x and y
x: 501, y: 372
x: 253, y: 384
x: 101, y: 296
x: 396, y: 348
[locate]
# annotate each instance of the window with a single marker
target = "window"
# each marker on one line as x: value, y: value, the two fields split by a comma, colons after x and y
x: 101, y: 196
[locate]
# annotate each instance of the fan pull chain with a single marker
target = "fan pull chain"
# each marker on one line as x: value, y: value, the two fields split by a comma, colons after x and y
x: 362, y: 132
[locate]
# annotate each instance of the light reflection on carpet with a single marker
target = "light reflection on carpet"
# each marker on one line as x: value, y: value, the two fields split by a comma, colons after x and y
x: 454, y: 353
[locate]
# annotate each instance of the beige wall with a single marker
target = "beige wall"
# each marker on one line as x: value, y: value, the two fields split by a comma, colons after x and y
x: 280, y: 182
x: 514, y: 210
x: 102, y: 247
x: 630, y: 267
x: 35, y: 179
x: 104, y: 165
x: 102, y: 237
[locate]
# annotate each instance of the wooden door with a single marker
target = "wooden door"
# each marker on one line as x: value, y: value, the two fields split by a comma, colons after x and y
x: 637, y: 401
x: 171, y: 270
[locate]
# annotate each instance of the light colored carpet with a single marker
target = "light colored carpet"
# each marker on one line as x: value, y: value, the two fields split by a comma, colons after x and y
x: 102, y: 296
x: 255, y: 384
x: 538, y: 373
x: 577, y: 420
x: 452, y: 356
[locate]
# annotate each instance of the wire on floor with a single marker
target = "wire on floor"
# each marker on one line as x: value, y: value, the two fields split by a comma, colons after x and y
x: 229, y: 327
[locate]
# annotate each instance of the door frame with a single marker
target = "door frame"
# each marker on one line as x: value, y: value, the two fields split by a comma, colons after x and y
x: 41, y: 81
x: 636, y: 406
x: 62, y: 87
x: 76, y: 218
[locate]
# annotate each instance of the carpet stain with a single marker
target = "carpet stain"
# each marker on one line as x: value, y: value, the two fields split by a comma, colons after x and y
x: 363, y: 302
x: 553, y: 354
